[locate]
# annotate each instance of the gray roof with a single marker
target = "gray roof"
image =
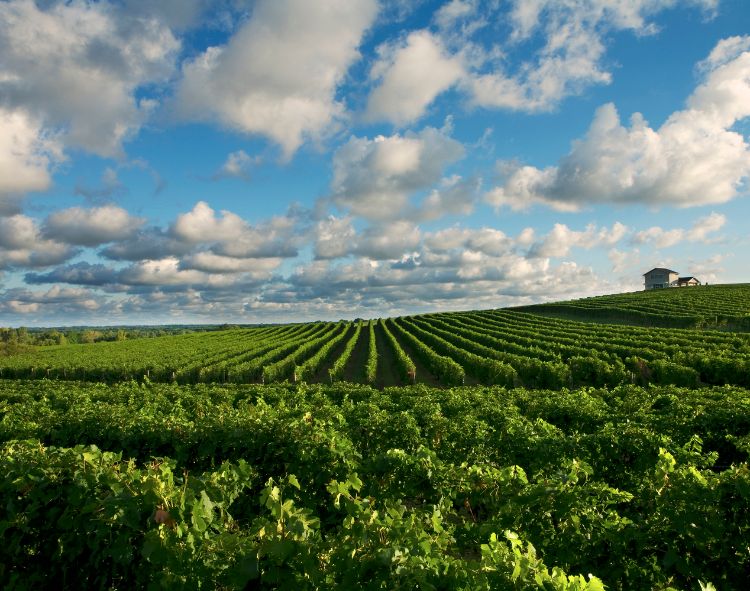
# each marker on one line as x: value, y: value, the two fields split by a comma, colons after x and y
x: 662, y: 269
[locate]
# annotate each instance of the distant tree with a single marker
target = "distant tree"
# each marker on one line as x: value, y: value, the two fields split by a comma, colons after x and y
x: 90, y: 336
x: 23, y: 335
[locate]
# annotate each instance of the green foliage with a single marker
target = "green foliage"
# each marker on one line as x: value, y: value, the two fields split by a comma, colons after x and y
x: 371, y: 369
x: 494, y: 347
x: 444, y: 368
x: 406, y: 366
x: 336, y: 372
x: 339, y: 487
x: 715, y: 306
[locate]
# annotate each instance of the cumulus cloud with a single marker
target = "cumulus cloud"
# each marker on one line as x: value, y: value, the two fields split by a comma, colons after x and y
x: 561, y: 44
x: 559, y: 241
x: 209, y: 262
x: 91, y: 227
x: 699, y: 232
x: 375, y: 178
x: 278, y: 74
x: 232, y: 236
x: 27, y: 152
x: 453, y: 196
x: 162, y: 272
x: 388, y: 241
x: 571, y: 55
x: 201, y: 224
x: 488, y: 241
x: 59, y: 299
x: 22, y: 245
x: 82, y: 71
x: 409, y: 76
x: 448, y: 282
x: 694, y: 158
x: 334, y: 237
x: 146, y: 244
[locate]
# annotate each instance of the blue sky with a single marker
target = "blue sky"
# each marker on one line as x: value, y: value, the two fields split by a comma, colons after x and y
x: 282, y: 160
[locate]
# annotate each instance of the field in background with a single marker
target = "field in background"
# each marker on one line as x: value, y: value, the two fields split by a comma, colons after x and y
x: 494, y: 347
x: 721, y: 307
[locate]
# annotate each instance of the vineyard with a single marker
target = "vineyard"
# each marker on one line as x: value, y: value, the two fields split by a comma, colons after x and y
x: 714, y: 306
x: 348, y: 487
x: 497, y: 449
x: 495, y: 347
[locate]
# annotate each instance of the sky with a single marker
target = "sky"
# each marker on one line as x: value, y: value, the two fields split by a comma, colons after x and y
x: 212, y: 161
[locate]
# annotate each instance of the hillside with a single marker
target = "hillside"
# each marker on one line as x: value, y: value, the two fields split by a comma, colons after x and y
x: 722, y: 307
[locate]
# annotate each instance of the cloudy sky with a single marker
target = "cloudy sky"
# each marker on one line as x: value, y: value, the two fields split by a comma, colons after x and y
x: 280, y: 160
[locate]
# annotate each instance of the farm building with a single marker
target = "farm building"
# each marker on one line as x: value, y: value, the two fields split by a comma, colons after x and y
x: 687, y: 282
x: 659, y: 277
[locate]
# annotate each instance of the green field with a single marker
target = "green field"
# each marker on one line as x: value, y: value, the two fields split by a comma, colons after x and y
x: 725, y: 307
x: 532, y: 452
x: 495, y: 347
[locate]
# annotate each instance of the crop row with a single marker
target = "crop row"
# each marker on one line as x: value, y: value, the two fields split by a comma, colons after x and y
x: 491, y: 347
x: 698, y: 307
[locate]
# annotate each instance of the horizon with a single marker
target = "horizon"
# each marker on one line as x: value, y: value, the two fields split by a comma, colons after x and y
x: 264, y: 162
x: 314, y: 320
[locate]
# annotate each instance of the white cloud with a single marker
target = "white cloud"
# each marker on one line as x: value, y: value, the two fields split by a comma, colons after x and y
x: 334, y: 237
x: 452, y: 12
x: 22, y: 245
x: 18, y: 231
x: 487, y: 241
x: 278, y: 74
x: 202, y: 225
x: 569, y: 60
x: 725, y: 51
x: 76, y: 67
x: 234, y: 237
x: 279, y: 236
x: 699, y: 232
x: 388, y: 241
x: 454, y: 196
x: 209, y: 262
x: 559, y: 48
x: 694, y: 158
x: 559, y: 241
x: 60, y: 299
x: 375, y: 178
x: 410, y: 75
x: 26, y: 153
x: 91, y: 227
x: 166, y: 272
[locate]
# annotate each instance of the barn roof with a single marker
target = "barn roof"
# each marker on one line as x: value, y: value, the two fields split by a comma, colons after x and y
x: 659, y: 269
